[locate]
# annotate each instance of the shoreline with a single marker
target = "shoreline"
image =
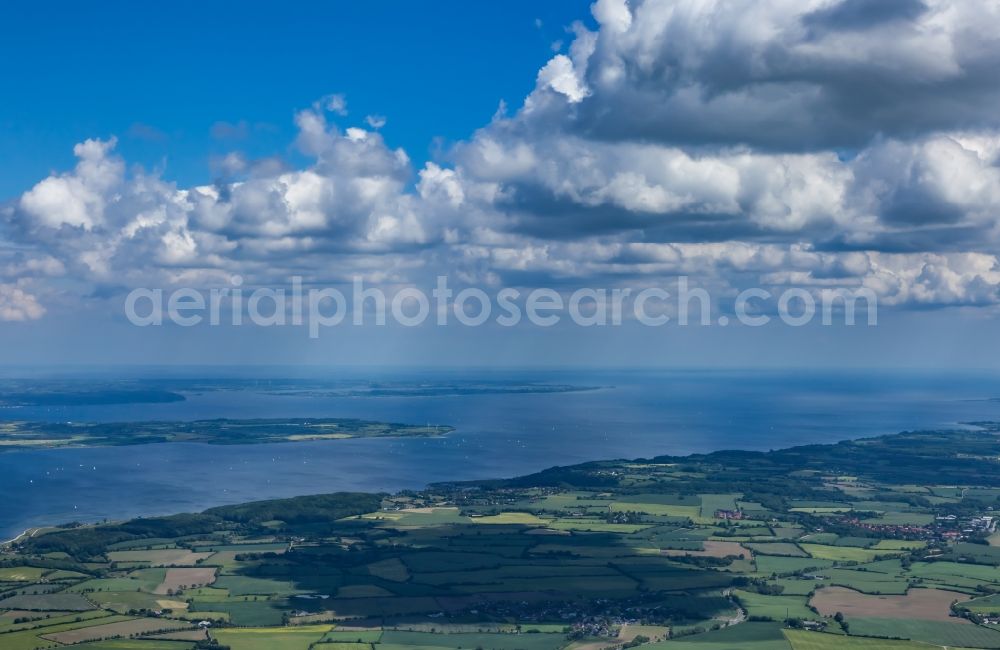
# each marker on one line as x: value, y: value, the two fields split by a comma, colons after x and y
x: 48, y: 436
x: 28, y: 532
x: 12, y: 449
x: 981, y: 426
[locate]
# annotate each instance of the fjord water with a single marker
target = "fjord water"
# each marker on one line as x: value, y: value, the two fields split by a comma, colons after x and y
x: 634, y: 414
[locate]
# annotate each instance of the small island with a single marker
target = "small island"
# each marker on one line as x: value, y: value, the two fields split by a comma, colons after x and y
x: 43, y: 435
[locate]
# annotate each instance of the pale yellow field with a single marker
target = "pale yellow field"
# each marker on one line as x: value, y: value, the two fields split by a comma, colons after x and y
x: 300, y: 637
x: 163, y: 557
x: 512, y: 518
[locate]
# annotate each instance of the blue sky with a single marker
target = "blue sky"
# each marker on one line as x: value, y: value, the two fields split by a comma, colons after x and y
x: 160, y: 78
x: 175, y: 147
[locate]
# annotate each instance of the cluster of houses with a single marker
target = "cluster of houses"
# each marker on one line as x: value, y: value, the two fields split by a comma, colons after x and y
x: 984, y: 524
x: 734, y: 515
x: 958, y: 529
x: 891, y: 530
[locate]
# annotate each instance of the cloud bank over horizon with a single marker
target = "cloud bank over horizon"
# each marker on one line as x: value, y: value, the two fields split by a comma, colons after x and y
x: 813, y: 143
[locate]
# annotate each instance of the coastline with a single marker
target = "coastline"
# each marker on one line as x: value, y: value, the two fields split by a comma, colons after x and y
x: 28, y: 532
x: 498, y: 436
x: 802, y: 457
x: 41, y: 435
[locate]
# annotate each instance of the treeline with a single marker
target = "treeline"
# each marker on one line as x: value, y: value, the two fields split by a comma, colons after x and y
x: 301, y: 510
x: 960, y: 457
x: 91, y: 541
x: 952, y: 457
x: 88, y: 542
x: 586, y: 475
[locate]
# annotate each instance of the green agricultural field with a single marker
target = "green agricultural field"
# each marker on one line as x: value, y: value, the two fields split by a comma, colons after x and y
x: 860, y: 542
x: 787, y: 532
x: 264, y: 547
x: 65, y: 576
x: 747, y: 636
x: 956, y: 635
x: 391, y: 569
x: 54, y: 602
x: 352, y: 636
x: 769, y: 564
x: 984, y: 605
x: 820, y: 641
x: 976, y: 553
x: 571, y: 500
x: 125, y: 601
x: 798, y: 586
x: 843, y: 553
x: 596, y: 526
x: 136, y: 644
x: 263, y: 612
x: 777, y: 548
x: 21, y: 574
x: 400, y: 639
x: 898, y: 545
x: 246, y: 586
x: 107, y: 629
x: 661, y: 509
x: 711, y: 503
x: 40, y: 619
x: 269, y: 638
x: 814, y: 504
x: 160, y: 557
x: 777, y: 608
x: 956, y: 574
x: 869, y: 582
x: 32, y: 639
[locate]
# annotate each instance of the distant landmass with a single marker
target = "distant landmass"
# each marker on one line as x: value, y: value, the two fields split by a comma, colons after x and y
x: 22, y: 393
x: 438, y: 390
x: 40, y: 435
x: 89, y: 397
